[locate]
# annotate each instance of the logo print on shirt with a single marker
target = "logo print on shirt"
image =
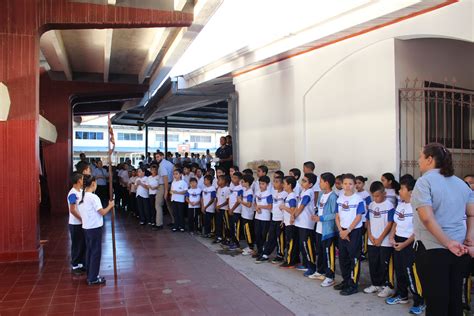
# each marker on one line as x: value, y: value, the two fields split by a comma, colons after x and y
x: 345, y: 205
x: 401, y: 215
x: 376, y: 212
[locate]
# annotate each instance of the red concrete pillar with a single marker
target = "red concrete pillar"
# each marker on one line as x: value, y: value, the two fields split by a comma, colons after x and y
x: 19, y: 182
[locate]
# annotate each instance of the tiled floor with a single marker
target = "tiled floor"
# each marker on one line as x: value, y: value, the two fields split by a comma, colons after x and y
x: 160, y: 273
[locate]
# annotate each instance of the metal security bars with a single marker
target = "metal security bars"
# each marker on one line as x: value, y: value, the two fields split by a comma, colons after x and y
x: 439, y: 113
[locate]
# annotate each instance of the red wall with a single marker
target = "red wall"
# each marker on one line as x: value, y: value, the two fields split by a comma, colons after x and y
x: 56, y: 108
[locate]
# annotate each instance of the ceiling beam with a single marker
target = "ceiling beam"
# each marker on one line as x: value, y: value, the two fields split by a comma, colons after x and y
x: 112, y: 2
x: 159, y: 39
x: 109, y: 33
x: 58, y: 44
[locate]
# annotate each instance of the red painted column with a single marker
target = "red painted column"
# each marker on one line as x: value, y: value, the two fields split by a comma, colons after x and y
x: 19, y: 183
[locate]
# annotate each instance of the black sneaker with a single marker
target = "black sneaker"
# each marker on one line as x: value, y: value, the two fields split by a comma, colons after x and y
x: 341, y: 286
x: 158, y: 227
x: 218, y: 240
x: 255, y: 256
x: 349, y: 291
x: 262, y: 259
x: 99, y: 281
x: 277, y: 260
x: 181, y: 230
x: 77, y: 271
x: 174, y: 229
x: 170, y: 225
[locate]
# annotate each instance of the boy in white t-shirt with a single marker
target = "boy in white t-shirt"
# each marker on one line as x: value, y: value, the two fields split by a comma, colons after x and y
x: 303, y: 221
x: 291, y: 232
x: 143, y: 201
x: 350, y: 208
x: 296, y: 173
x: 222, y: 205
x: 379, y: 223
x: 247, y: 214
x: 193, y: 198
x: 276, y: 233
x: 78, y: 243
x: 263, y: 205
x: 208, y: 205
x: 178, y: 190
x: 132, y: 188
x: 235, y: 209
x: 402, y: 239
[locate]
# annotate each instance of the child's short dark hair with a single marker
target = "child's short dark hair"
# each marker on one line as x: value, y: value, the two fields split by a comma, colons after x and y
x: 361, y: 179
x: 466, y: 176
x: 263, y: 168
x: 278, y: 178
x: 291, y: 181
x: 406, y: 177
x: 408, y: 182
x: 265, y: 179
x: 349, y: 176
x: 225, y: 178
x: 193, y: 180
x: 340, y: 177
x: 247, y: 171
x: 311, y: 177
x: 377, y: 186
x: 76, y: 176
x: 296, y: 172
x: 310, y: 165
x: 208, y: 178
x: 81, y: 166
x: 236, y: 168
x: 238, y: 175
x: 179, y: 170
x: 248, y: 179
x: 279, y: 173
x: 221, y: 169
x: 329, y: 178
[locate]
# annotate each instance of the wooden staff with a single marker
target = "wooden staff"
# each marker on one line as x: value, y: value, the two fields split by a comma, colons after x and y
x: 111, y: 193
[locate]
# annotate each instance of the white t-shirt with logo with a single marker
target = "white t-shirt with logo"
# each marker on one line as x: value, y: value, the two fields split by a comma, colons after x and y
x: 348, y: 207
x: 297, y: 189
x: 248, y: 212
x: 178, y: 186
x: 278, y: 199
x: 304, y: 218
x: 379, y: 215
x: 209, y: 193
x: 201, y: 183
x: 235, y: 192
x: 404, y: 219
x: 89, y: 210
x: 73, y: 198
x: 290, y: 202
x: 153, y: 182
x: 194, y: 195
x: 141, y: 190
x: 322, y: 202
x: 263, y: 199
x: 222, y: 196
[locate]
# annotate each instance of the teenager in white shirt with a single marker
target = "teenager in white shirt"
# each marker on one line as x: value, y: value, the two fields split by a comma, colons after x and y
x: 308, y: 167
x: 187, y: 174
x: 263, y: 206
x: 402, y: 239
x: 379, y: 223
x: 247, y: 213
x: 276, y: 233
x: 296, y: 173
x: 360, y: 183
x: 338, y: 185
x: 143, y: 201
x: 78, y: 243
x: 350, y: 208
x: 132, y: 188
x: 391, y: 187
x: 200, y: 179
x: 178, y: 190
x: 302, y: 220
x: 291, y: 232
x: 193, y: 198
x: 222, y: 205
x: 91, y: 211
x: 208, y: 205
x: 235, y: 209
x: 153, y: 181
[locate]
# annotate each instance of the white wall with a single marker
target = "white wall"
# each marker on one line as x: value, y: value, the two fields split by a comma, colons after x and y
x: 301, y: 108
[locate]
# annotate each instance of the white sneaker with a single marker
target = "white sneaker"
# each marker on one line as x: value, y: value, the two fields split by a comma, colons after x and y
x: 247, y: 252
x: 317, y: 276
x: 372, y: 289
x: 386, y: 292
x: 327, y: 282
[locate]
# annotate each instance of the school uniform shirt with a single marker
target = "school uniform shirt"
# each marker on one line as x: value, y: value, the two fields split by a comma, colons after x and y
x: 278, y: 199
x: 304, y: 219
x: 235, y: 192
x: 290, y: 201
x: 73, y: 198
x: 89, y: 210
x: 404, y: 219
x: 141, y: 190
x: 367, y: 200
x: 391, y: 196
x: 348, y: 207
x: 379, y: 215
x: 209, y: 193
x: 187, y: 177
x: 222, y: 196
x: 178, y: 186
x: 133, y: 186
x: 214, y: 183
x: 194, y: 195
x: 263, y: 199
x: 320, y: 207
x: 248, y: 212
x: 297, y: 189
x: 316, y: 187
x: 339, y: 192
x: 201, y: 183
x: 153, y: 181
x: 255, y: 187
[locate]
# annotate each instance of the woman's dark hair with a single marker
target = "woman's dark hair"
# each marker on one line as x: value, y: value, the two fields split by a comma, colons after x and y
x: 88, y: 180
x: 248, y: 179
x: 296, y: 172
x: 394, y: 183
x: 329, y: 178
x: 291, y: 181
x: 361, y: 179
x: 348, y: 176
x: 377, y: 186
x: 442, y: 157
x: 408, y: 181
x: 76, y: 176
